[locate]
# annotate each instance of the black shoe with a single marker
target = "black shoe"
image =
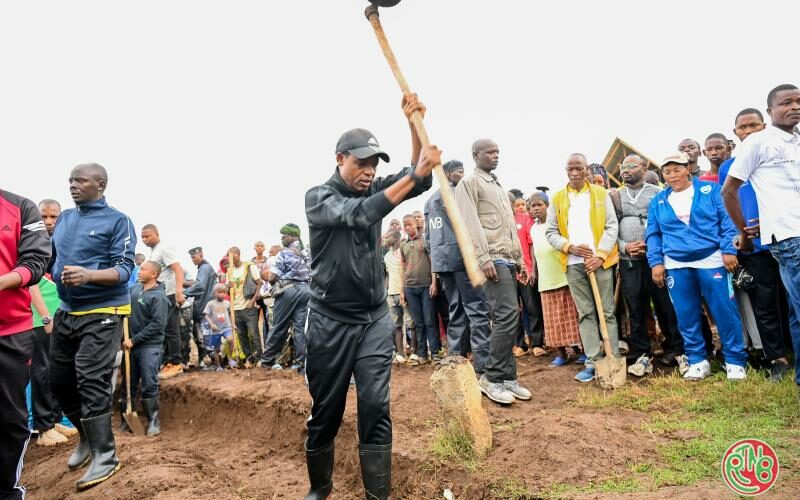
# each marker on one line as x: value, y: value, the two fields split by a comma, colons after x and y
x: 150, y: 407
x: 123, y: 426
x: 376, y: 470
x: 668, y: 359
x: 104, y: 454
x: 82, y: 453
x: 320, y: 471
x: 778, y: 371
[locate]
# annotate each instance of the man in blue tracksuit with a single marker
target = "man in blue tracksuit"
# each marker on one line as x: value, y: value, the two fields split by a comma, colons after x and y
x: 465, y: 301
x: 690, y: 249
x: 94, y: 246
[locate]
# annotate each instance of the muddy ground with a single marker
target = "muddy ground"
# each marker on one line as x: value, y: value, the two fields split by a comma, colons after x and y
x: 238, y: 435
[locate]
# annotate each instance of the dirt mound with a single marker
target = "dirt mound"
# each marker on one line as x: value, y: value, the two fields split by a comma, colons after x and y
x: 239, y: 435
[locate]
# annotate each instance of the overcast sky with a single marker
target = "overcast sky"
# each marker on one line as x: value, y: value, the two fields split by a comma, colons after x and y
x: 214, y: 117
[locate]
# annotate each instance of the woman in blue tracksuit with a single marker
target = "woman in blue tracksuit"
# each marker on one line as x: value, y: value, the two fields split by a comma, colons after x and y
x: 690, y: 248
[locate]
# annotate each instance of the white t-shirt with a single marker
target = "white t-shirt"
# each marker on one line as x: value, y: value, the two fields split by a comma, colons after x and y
x: 681, y: 203
x: 165, y: 257
x: 579, y: 224
x: 770, y: 160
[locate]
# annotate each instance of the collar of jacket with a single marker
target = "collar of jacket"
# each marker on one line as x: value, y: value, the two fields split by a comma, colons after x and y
x: 487, y: 176
x: 92, y: 205
x: 584, y: 188
x: 204, y: 261
x: 337, y: 182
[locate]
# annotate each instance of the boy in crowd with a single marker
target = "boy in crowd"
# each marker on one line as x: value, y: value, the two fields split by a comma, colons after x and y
x: 149, y: 313
x: 417, y: 291
x: 217, y: 316
x: 394, y: 290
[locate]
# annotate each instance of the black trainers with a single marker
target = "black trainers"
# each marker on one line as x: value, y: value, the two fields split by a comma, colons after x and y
x: 777, y: 372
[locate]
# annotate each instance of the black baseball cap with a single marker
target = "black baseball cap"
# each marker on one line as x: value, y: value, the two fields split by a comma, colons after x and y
x: 360, y: 143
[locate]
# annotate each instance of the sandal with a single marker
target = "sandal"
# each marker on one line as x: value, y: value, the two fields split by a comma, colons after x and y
x: 519, y: 351
x: 538, y: 352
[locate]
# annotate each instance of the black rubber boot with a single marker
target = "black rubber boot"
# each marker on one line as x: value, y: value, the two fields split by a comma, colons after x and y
x: 320, y: 471
x: 151, y: 414
x: 376, y: 470
x: 82, y: 453
x: 123, y: 426
x: 104, y: 454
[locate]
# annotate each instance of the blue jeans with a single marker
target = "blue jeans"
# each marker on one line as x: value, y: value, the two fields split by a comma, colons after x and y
x: 420, y: 305
x: 144, y: 367
x: 687, y: 287
x: 787, y: 253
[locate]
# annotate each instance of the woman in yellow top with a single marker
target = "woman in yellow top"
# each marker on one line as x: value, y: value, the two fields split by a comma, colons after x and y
x: 560, y: 315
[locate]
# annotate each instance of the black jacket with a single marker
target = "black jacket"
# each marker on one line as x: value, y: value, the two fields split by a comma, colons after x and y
x: 202, y: 289
x: 345, y: 238
x: 440, y: 240
x: 149, y: 311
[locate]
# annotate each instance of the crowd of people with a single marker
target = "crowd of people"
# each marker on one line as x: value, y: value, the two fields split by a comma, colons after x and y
x: 676, y: 254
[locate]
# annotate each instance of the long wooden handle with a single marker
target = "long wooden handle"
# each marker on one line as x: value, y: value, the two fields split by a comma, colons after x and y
x: 127, y: 352
x: 598, y: 303
x: 476, y: 276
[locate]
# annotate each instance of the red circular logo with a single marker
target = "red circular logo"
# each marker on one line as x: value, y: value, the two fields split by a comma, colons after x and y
x: 750, y: 467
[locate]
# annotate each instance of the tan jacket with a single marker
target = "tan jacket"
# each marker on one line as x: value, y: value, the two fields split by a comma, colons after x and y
x: 490, y: 221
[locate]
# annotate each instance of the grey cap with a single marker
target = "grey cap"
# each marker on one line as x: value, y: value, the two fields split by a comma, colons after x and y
x: 452, y: 165
x: 360, y: 143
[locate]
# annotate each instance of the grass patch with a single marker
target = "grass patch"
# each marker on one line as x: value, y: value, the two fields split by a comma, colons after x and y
x: 617, y: 484
x: 716, y: 413
x: 452, y: 444
x: 509, y: 489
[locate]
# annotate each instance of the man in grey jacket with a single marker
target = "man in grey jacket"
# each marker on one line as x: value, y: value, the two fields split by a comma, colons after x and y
x: 487, y: 214
x: 465, y: 302
x: 582, y: 224
x: 202, y: 289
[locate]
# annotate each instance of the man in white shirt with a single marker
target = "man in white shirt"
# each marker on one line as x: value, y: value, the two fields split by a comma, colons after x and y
x: 770, y: 161
x: 172, y: 277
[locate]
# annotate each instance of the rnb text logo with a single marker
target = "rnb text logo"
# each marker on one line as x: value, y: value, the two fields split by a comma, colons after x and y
x: 750, y: 467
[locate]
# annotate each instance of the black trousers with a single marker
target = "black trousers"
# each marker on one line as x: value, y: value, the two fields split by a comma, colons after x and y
x: 765, y: 298
x: 185, y: 322
x: 247, y: 330
x: 16, y: 352
x: 638, y: 289
x: 44, y: 407
x: 336, y: 350
x: 532, y: 304
x: 82, y: 353
x: 502, y: 298
x: 172, y: 334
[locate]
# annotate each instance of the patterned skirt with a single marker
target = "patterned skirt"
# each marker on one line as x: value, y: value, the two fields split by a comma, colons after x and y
x: 560, y: 318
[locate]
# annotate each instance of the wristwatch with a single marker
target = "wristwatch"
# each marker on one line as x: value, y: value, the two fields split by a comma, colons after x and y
x: 414, y: 177
x: 46, y: 320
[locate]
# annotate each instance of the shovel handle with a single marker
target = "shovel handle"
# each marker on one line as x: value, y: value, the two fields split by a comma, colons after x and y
x: 476, y: 275
x: 598, y: 303
x: 127, y: 353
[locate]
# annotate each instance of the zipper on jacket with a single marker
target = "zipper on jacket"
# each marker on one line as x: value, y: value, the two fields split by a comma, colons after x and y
x: 330, y: 278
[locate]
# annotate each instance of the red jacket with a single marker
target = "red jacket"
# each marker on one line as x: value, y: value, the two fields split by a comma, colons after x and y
x: 24, y: 249
x: 524, y: 224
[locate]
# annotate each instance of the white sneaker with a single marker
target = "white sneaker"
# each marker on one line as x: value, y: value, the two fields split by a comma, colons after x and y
x: 735, y: 372
x: 400, y: 358
x: 698, y: 371
x: 413, y: 359
x: 683, y: 364
x: 642, y: 366
x: 517, y: 390
x: 495, y: 391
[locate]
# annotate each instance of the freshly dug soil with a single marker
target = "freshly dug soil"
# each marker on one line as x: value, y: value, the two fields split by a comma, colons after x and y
x: 239, y: 435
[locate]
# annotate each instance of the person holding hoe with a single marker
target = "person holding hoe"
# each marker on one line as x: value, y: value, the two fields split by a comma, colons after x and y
x: 348, y: 330
x: 582, y: 224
